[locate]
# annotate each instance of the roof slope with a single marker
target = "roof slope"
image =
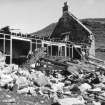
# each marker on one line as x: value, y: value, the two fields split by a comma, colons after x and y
x: 96, y: 25
x: 69, y: 23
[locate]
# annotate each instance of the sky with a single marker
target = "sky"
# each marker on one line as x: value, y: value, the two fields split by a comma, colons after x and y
x: 32, y: 15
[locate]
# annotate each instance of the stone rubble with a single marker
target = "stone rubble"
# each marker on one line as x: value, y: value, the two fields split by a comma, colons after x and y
x: 81, y: 83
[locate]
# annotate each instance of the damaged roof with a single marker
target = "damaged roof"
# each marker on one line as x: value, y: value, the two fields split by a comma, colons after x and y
x: 68, y: 23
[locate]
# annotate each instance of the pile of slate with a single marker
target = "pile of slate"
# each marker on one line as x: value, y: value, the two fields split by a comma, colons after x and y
x: 80, y: 84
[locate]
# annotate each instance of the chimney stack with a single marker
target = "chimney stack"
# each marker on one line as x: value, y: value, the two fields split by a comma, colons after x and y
x: 65, y: 7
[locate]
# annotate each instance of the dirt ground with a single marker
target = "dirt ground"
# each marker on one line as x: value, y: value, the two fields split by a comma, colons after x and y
x: 12, y: 98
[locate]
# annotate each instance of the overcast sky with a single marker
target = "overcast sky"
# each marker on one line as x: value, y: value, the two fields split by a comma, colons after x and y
x: 33, y: 15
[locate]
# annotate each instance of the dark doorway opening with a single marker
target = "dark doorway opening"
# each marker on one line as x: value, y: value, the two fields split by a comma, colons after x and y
x: 20, y: 50
x: 54, y: 50
x: 76, y: 53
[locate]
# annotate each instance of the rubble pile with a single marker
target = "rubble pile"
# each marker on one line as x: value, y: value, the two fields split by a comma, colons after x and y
x: 81, y: 83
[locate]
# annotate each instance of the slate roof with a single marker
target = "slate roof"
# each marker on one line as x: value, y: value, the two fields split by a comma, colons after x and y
x: 69, y: 23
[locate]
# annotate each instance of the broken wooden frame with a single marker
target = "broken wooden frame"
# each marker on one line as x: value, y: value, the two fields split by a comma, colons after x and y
x: 69, y: 49
x: 15, y: 47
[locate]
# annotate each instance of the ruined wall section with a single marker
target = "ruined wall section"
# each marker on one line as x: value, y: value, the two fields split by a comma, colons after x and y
x: 92, y: 47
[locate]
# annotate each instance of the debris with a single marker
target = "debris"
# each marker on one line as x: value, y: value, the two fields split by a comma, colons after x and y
x: 39, y: 78
x: 12, y: 100
x: 72, y: 101
x: 85, y: 86
x: 2, y: 59
x: 22, y: 82
x: 76, y: 82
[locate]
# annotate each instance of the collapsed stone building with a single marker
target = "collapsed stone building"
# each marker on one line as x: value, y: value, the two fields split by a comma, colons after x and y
x: 69, y: 38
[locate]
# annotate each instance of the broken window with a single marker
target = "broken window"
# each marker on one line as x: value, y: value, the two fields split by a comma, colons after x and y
x: 33, y: 46
x: 77, y: 53
x: 54, y: 50
x: 1, y: 36
x: 45, y: 45
x: 39, y: 45
x: 7, y: 47
x: 20, y: 50
x: 49, y: 50
x: 1, y: 45
x: 63, y: 50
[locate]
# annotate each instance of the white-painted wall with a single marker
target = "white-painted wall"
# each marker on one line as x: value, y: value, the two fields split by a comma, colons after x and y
x: 92, y: 47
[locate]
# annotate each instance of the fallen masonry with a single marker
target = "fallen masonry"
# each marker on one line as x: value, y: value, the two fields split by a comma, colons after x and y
x: 51, y: 81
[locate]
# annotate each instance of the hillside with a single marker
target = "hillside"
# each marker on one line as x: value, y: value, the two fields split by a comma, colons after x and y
x: 45, y: 31
x: 97, y: 26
